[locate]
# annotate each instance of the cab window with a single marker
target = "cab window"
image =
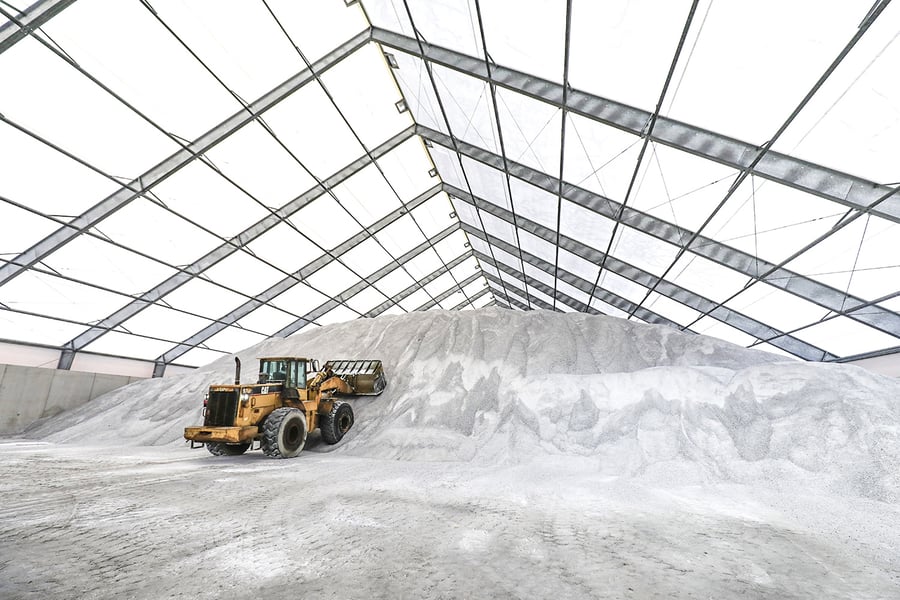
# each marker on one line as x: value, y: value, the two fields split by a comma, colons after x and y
x: 297, y: 374
x: 272, y: 370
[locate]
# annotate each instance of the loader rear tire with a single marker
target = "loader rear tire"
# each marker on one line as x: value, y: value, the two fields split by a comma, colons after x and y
x: 336, y: 423
x: 284, y: 433
x: 220, y: 449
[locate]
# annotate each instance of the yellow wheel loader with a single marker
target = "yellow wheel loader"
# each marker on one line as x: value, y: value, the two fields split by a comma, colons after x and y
x: 291, y: 397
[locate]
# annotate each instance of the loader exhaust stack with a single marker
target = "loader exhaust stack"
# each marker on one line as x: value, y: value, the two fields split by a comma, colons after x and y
x: 237, y: 371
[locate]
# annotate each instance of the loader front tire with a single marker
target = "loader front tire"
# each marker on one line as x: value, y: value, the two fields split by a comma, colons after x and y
x: 284, y: 433
x: 336, y: 423
x: 219, y: 449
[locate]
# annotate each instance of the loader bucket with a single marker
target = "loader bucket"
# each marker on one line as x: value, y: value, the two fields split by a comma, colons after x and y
x: 365, y: 377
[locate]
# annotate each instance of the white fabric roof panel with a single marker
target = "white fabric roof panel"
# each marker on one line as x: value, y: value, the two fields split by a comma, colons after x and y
x: 73, y: 188
x: 330, y: 184
x: 30, y: 229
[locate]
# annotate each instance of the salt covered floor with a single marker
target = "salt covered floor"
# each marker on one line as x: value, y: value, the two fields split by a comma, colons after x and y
x: 512, y: 455
x: 168, y: 522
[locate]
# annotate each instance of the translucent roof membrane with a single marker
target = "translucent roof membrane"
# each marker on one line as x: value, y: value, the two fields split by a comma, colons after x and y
x: 332, y: 279
x: 266, y: 318
x: 199, y: 356
x: 683, y: 189
x: 337, y: 315
x: 734, y: 86
x: 609, y: 45
x: 53, y: 296
x: 367, y: 196
x: 311, y: 128
x: 325, y: 222
x: 95, y: 261
x: 242, y: 271
x: 862, y: 258
x: 233, y: 339
x: 285, y: 245
x: 248, y: 65
x: 165, y: 323
x: 408, y: 169
x: 73, y: 189
x: 91, y: 124
x: 773, y: 221
x: 832, y: 130
x: 366, y: 258
x: 599, y: 157
x: 333, y: 24
x: 401, y: 236
x: 415, y: 300
x: 335, y: 171
x: 31, y: 229
x: 173, y: 89
x: 272, y: 177
x: 36, y: 330
x: 299, y: 299
x: 366, y: 300
x: 201, y: 195
x: 378, y: 118
x: 132, y: 345
x: 203, y: 298
x: 530, y: 131
x: 412, y: 77
x: 468, y: 108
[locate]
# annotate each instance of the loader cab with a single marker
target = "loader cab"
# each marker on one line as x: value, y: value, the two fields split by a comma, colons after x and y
x: 290, y: 371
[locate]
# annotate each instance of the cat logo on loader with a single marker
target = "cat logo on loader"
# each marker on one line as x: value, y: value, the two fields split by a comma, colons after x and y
x: 292, y: 397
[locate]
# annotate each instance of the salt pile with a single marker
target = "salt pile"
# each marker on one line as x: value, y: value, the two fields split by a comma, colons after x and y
x: 638, y: 401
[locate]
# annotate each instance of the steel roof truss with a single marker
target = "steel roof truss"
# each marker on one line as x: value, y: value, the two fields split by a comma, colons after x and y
x: 739, y: 321
x: 173, y: 163
x: 845, y: 189
x: 737, y: 260
x: 234, y: 245
x: 28, y: 20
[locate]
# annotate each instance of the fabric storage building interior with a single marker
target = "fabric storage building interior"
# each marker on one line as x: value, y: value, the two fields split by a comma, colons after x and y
x: 183, y: 181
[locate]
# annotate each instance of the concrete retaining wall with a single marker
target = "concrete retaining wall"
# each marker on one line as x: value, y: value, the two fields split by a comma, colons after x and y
x: 31, y: 393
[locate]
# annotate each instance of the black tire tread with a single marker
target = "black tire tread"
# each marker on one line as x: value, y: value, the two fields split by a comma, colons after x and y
x: 330, y: 424
x: 270, y: 430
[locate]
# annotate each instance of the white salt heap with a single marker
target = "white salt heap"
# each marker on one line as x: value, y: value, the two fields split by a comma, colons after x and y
x: 497, y: 386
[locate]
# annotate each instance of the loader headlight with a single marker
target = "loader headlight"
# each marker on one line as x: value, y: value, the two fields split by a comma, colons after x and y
x: 245, y: 397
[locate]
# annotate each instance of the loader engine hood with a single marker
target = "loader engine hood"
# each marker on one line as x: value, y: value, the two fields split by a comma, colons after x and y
x: 223, y: 401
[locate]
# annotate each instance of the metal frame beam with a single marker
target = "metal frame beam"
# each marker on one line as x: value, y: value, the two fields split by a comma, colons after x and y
x: 355, y: 289
x: 472, y: 298
x: 28, y: 20
x: 434, y: 86
x: 360, y: 286
x: 538, y: 303
x: 854, y: 192
x: 410, y: 290
x: 160, y: 366
x: 449, y: 292
x: 352, y: 129
x: 733, y: 318
x: 234, y: 245
x: 803, y: 287
x: 511, y: 303
x: 572, y: 279
x: 498, y: 123
x: 173, y: 163
x: 288, y: 282
x: 567, y: 300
